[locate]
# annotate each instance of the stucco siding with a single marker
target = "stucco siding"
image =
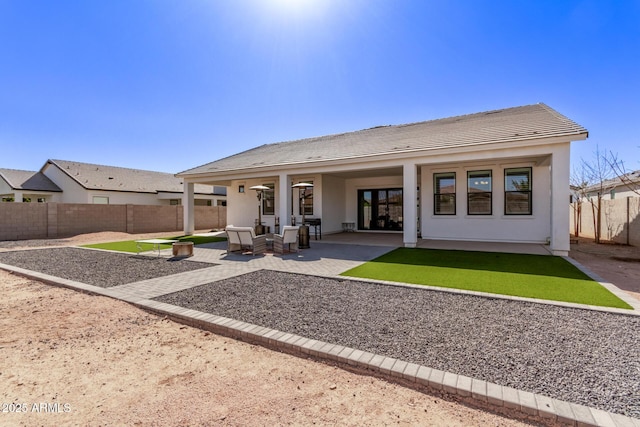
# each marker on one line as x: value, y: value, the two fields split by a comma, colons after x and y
x: 495, y: 227
x: 334, y: 211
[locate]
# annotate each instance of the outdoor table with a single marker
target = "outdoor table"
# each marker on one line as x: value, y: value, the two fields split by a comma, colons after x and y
x: 155, y: 242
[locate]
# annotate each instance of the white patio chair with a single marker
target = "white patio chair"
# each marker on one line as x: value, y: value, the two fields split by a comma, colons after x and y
x: 288, y: 237
x: 244, y: 239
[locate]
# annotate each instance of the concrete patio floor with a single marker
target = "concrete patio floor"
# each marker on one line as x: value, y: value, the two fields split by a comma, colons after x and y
x: 395, y: 240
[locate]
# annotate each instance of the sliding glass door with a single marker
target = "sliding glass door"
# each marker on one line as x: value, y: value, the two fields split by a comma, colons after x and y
x: 380, y: 209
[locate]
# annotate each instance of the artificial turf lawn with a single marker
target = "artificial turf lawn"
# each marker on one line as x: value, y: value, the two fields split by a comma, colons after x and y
x: 530, y: 276
x: 131, y: 246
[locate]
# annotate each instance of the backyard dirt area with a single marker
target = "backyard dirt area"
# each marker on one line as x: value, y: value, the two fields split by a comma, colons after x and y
x: 618, y: 264
x: 68, y: 358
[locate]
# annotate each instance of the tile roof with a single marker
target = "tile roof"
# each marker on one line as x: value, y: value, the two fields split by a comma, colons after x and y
x: 28, y: 180
x: 629, y: 179
x: 507, y: 125
x: 113, y: 178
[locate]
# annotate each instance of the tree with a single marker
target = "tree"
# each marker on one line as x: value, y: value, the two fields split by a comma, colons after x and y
x: 625, y: 176
x: 591, y: 182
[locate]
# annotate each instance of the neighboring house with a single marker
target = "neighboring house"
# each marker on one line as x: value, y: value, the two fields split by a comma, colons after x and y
x: 622, y: 187
x: 75, y: 182
x: 26, y: 186
x: 500, y: 176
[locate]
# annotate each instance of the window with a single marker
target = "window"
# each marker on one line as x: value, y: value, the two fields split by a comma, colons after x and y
x: 612, y: 194
x: 444, y: 193
x: 479, y: 193
x: 268, y: 200
x: 308, y: 201
x: 175, y: 202
x: 517, y: 191
x: 100, y: 200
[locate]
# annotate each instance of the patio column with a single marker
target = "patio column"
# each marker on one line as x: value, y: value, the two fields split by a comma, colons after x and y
x: 284, y: 200
x: 410, y: 205
x: 18, y: 196
x: 560, y: 227
x: 188, y: 206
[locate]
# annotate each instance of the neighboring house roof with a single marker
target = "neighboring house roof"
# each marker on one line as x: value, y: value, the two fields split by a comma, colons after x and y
x: 112, y: 178
x: 28, y: 180
x: 631, y: 179
x: 507, y: 125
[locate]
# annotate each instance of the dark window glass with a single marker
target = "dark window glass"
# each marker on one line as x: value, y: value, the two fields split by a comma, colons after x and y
x: 444, y: 193
x: 517, y: 191
x: 268, y: 200
x: 479, y: 195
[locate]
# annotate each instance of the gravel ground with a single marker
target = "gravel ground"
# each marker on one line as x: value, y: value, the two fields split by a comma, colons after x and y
x: 10, y: 244
x: 585, y: 357
x: 98, y: 268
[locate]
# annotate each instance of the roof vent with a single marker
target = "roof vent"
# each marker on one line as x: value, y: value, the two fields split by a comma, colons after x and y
x: 110, y: 177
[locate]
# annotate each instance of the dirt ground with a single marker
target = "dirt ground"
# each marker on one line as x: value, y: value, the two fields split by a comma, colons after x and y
x: 68, y: 358
x: 618, y: 264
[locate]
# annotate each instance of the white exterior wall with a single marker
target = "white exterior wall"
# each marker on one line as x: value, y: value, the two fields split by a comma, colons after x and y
x: 533, y: 228
x: 75, y: 193
x: 334, y: 205
x: 622, y: 192
x: 5, y: 190
x: 242, y: 208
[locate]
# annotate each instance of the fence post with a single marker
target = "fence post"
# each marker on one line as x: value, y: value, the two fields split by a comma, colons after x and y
x: 52, y: 220
x: 628, y: 219
x: 130, y: 219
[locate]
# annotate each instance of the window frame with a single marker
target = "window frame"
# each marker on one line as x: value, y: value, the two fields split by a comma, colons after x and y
x: 308, y: 197
x: 268, y: 195
x: 528, y: 192
x: 104, y: 200
x: 437, y: 195
x: 483, y: 173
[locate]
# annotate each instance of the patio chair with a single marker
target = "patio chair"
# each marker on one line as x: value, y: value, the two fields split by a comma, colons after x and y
x: 288, y: 237
x: 244, y: 239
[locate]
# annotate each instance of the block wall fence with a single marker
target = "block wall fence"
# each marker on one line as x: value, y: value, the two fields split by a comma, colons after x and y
x: 22, y: 221
x: 620, y: 220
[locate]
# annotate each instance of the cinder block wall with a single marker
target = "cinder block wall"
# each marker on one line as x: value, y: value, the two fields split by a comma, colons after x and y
x: 620, y: 221
x: 209, y: 217
x: 80, y: 218
x: 150, y: 218
x: 21, y: 221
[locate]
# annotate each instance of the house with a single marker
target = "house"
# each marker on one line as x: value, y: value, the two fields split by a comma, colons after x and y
x: 620, y: 187
x: 75, y: 182
x: 28, y: 186
x: 500, y: 176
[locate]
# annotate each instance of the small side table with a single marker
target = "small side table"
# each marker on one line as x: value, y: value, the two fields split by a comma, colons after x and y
x: 155, y: 242
x: 348, y: 227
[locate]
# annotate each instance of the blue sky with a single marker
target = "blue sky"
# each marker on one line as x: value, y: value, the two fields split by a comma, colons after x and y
x: 168, y: 85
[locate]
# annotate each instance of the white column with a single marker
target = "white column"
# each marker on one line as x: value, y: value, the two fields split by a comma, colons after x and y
x: 17, y: 197
x: 410, y: 205
x: 188, y: 206
x: 560, y: 226
x: 284, y: 200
